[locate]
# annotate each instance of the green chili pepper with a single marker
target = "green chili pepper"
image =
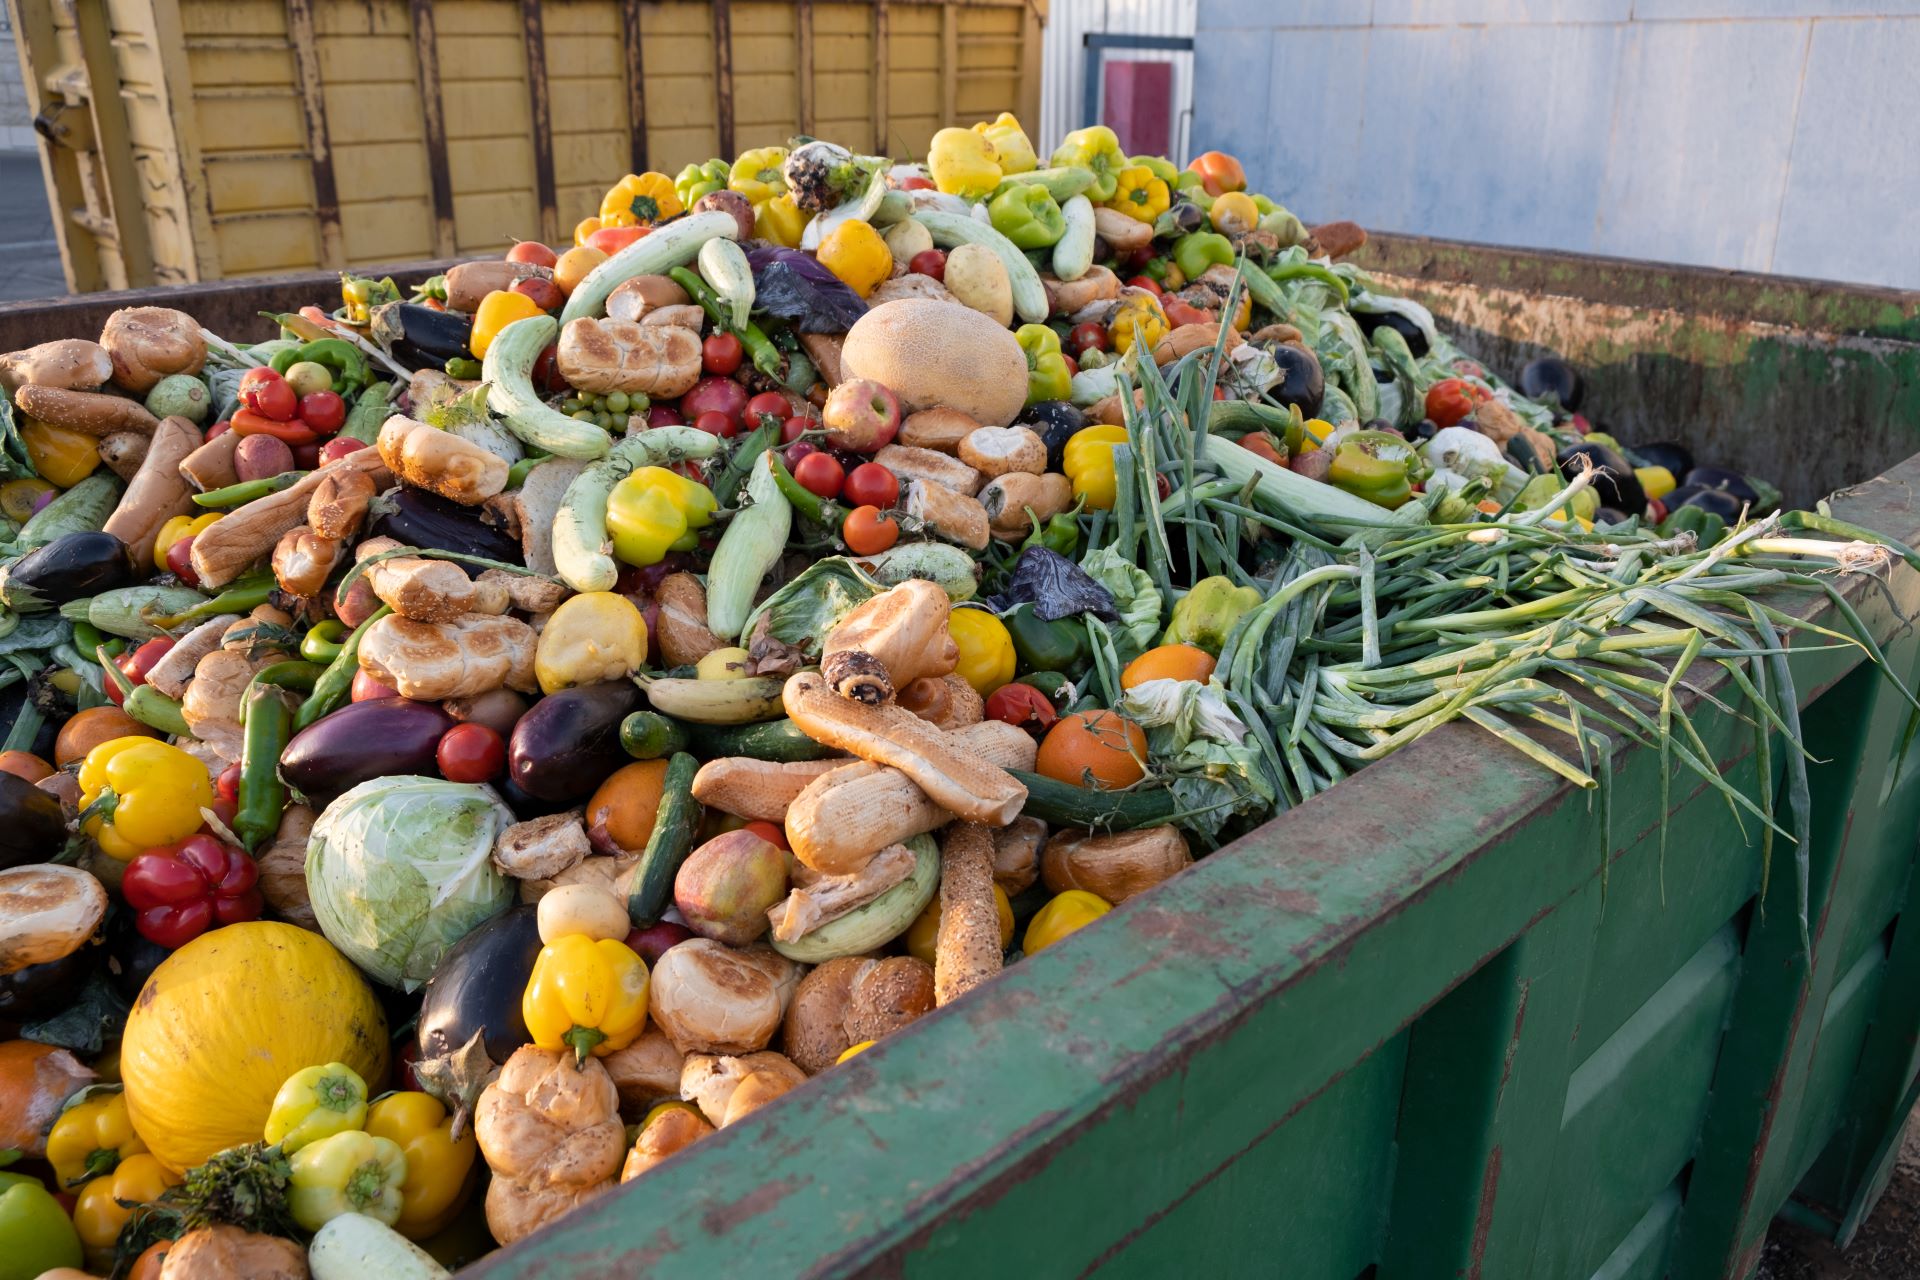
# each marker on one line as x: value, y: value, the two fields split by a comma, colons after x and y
x: 88, y: 638
x: 1308, y: 271
x: 284, y: 360
x: 339, y: 357
x: 517, y: 473
x: 244, y: 596
x: 462, y: 368
x: 269, y: 714
x: 323, y: 643
x: 331, y: 689
x: 368, y: 414
x: 1061, y: 534
x: 766, y: 356
x: 1059, y: 645
x: 809, y: 504
x: 433, y: 287
x: 726, y: 486
x: 156, y: 710
x: 238, y: 495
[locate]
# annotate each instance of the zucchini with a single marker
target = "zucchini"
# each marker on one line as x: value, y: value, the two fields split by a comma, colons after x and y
x: 1073, y: 252
x: 672, y: 840
x: 508, y: 372
x: 778, y: 740
x: 956, y: 572
x: 751, y: 545
x: 1061, y: 804
x: 1239, y: 417
x: 81, y: 509
x: 950, y: 229
x: 648, y: 735
x: 369, y: 413
x: 673, y: 245
x: 130, y: 612
x: 1063, y: 183
x: 870, y: 927
x: 724, y: 266
x: 582, y: 552
x: 353, y: 1246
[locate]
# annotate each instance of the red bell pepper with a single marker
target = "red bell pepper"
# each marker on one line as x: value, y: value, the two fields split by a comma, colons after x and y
x: 182, y: 890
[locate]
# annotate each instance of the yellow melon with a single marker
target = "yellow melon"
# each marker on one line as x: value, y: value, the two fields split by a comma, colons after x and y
x: 938, y: 354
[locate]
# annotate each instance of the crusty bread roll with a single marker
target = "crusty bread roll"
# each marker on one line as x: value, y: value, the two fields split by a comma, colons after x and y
x: 601, y: 356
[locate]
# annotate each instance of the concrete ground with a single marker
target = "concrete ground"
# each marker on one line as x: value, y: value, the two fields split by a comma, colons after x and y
x: 1887, y: 1248
x: 29, y: 255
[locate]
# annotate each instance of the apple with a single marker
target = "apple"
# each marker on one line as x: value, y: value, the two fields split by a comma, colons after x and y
x: 861, y: 415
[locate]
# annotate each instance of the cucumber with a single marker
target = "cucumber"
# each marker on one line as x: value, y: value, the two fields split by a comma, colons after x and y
x: 352, y: 1246
x: 950, y: 229
x: 1238, y: 417
x: 1073, y: 253
x: 1061, y: 804
x: 673, y: 245
x: 648, y: 735
x: 724, y: 266
x: 777, y: 740
x: 1063, y: 183
x: 869, y: 927
x: 668, y: 847
x: 508, y: 371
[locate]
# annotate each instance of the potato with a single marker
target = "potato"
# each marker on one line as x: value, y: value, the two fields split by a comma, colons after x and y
x: 904, y: 239
x: 582, y: 908
x: 261, y: 458
x: 976, y: 277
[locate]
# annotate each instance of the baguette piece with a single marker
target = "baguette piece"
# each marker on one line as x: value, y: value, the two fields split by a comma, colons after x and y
x: 123, y: 452
x: 966, y: 949
x: 910, y: 463
x: 224, y: 549
x: 757, y: 790
x: 156, y: 493
x: 211, y: 466
x: 849, y: 813
x: 94, y: 413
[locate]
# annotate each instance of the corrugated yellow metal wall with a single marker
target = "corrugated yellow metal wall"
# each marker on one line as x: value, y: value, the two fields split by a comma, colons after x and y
x: 237, y: 137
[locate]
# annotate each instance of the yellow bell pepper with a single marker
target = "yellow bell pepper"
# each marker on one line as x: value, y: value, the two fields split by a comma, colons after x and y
x: 1064, y: 913
x: 175, y: 529
x: 1234, y: 214
x: 586, y: 994
x: 1139, y: 193
x: 139, y: 793
x: 986, y: 649
x: 654, y: 511
x: 855, y: 252
x: 853, y: 1051
x: 1139, y: 313
x: 759, y: 174
x: 91, y: 1138
x: 1655, y: 482
x: 1012, y: 149
x: 61, y: 455
x: 1088, y: 462
x: 639, y: 199
x: 962, y: 164
x: 315, y: 1103
x: 98, y: 1215
x: 496, y: 311
x: 439, y: 1166
x: 1096, y: 148
x: 584, y: 229
x: 351, y: 1172
x: 781, y: 221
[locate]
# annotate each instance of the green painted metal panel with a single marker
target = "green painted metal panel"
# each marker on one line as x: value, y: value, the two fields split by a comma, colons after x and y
x: 1643, y: 1254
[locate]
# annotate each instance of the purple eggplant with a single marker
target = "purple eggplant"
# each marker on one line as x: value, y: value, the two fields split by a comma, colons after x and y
x: 364, y: 740
x: 569, y: 742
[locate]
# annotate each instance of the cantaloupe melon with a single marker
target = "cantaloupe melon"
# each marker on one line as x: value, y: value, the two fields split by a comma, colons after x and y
x: 939, y: 354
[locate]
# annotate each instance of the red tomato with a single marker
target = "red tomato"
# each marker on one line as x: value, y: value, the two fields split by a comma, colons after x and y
x: 471, y: 752
x: 1073, y: 366
x: 872, y: 485
x: 1022, y: 705
x: 820, y: 473
x: 365, y: 688
x: 1179, y: 313
x: 534, y: 252
x: 724, y: 394
x: 611, y: 240
x: 794, y: 453
x: 339, y: 447
x: 546, y: 375
x: 1086, y: 337
x: 793, y: 428
x: 916, y: 183
x: 664, y: 415
x: 180, y: 561
x: 721, y: 353
x: 715, y: 423
x: 220, y: 428
x: 143, y: 659
x: 1452, y: 399
x: 929, y: 262
x: 227, y: 785
x: 1146, y: 282
x: 766, y: 404
x: 545, y: 293
x: 1261, y: 446
x: 771, y: 832
x: 324, y: 411
x: 267, y: 393
x: 867, y: 532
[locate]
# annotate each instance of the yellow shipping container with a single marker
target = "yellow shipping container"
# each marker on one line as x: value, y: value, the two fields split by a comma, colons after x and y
x: 188, y: 140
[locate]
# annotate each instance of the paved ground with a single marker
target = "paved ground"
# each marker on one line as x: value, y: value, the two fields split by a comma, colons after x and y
x: 1887, y: 1248
x: 29, y: 255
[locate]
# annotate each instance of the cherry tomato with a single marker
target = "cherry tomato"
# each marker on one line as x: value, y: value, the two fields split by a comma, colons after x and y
x: 534, y: 252
x: 611, y: 240
x: 820, y: 473
x: 664, y: 415
x: 365, y: 688
x: 546, y: 295
x: 916, y: 183
x: 220, y: 428
x: 872, y: 485
x: 1022, y: 705
x: 721, y: 353
x: 1146, y: 282
x: 771, y: 832
x: 1452, y: 399
x: 180, y: 561
x: 324, y: 411
x: 1087, y: 337
x: 716, y: 423
x: 767, y: 403
x: 227, y: 785
x: 929, y: 262
x: 868, y: 533
x: 142, y: 660
x: 339, y: 447
x: 471, y: 752
x: 793, y: 428
x: 266, y: 392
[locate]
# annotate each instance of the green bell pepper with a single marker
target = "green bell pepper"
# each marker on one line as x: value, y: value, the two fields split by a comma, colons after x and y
x: 1373, y: 465
x: 1706, y: 526
x: 1194, y: 253
x: 1096, y: 148
x: 1059, y: 645
x: 1025, y: 213
x: 697, y: 180
x: 1047, y: 376
x: 1162, y: 168
x: 1206, y: 614
x: 35, y: 1233
x: 1061, y: 534
x: 340, y: 358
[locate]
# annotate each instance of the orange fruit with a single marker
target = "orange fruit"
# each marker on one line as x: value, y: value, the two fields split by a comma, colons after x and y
x: 24, y: 764
x: 1096, y: 745
x: 622, y: 810
x: 1168, y: 662
x: 88, y: 729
